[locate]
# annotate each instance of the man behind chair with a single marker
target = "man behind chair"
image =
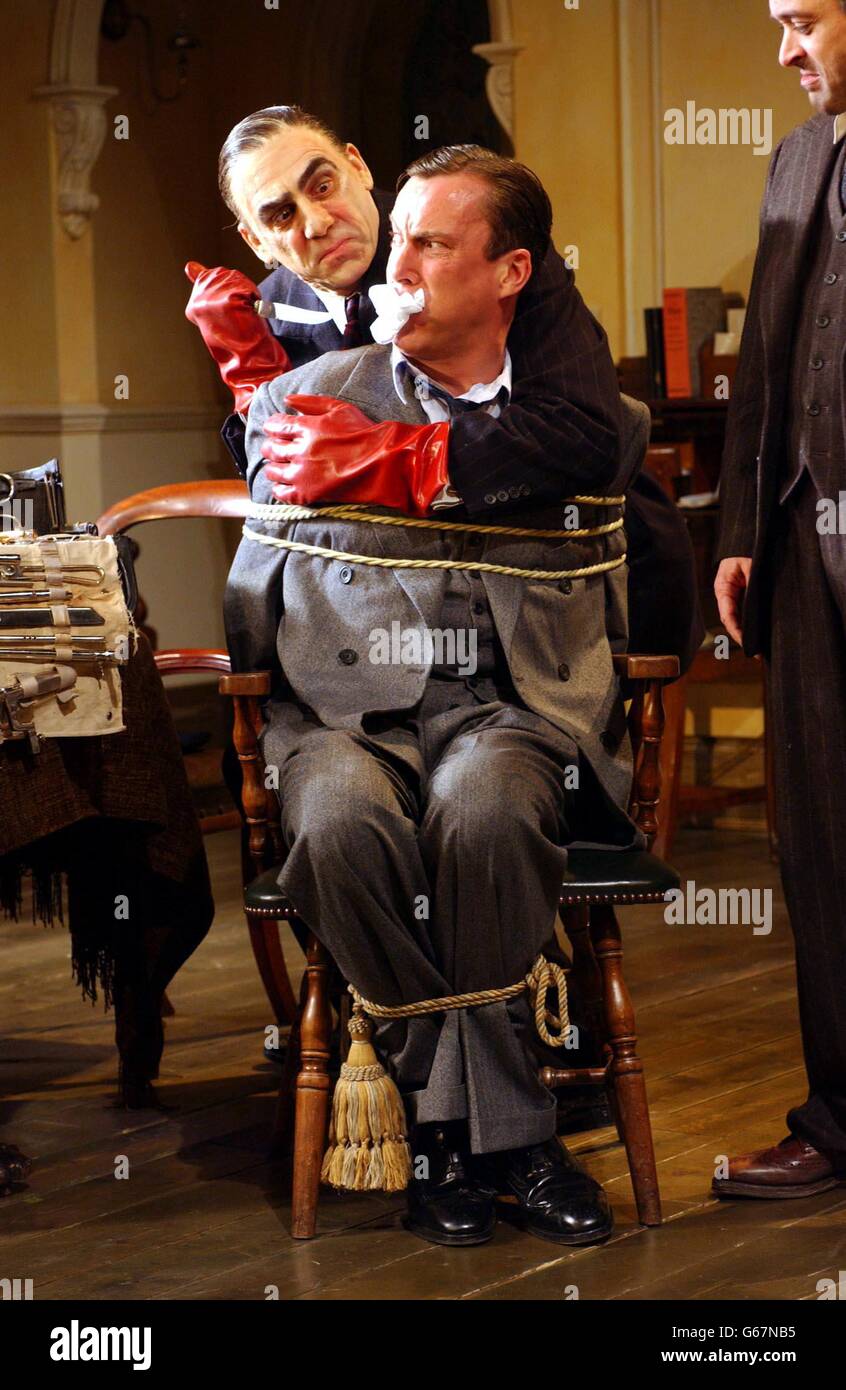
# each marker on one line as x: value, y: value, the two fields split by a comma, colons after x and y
x: 427, y: 810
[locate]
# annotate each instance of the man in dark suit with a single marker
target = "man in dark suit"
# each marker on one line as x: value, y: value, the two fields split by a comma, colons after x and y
x: 305, y: 200
x: 781, y: 583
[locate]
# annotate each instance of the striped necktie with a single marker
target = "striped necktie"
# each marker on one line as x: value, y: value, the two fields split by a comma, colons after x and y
x: 353, y: 336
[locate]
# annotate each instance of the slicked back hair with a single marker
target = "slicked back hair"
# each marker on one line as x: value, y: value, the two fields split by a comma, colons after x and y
x: 518, y: 206
x: 254, y: 130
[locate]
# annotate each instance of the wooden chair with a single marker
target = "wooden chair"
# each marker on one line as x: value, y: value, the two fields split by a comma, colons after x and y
x: 597, y: 881
x: 215, y: 498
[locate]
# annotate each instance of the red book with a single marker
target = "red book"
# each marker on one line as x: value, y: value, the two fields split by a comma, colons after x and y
x: 691, y: 318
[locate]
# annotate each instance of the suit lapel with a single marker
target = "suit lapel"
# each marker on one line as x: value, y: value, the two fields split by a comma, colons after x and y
x: 802, y: 188
x: 371, y: 387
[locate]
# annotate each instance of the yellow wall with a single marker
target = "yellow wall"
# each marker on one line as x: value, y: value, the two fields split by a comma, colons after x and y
x: 158, y: 209
x: 718, y: 53
x: 79, y: 313
x: 27, y: 347
x: 567, y: 130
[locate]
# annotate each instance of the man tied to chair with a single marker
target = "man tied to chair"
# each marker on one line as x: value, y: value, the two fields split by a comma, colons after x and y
x: 427, y: 813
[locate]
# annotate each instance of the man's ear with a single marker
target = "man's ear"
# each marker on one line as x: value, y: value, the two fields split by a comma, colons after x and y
x: 357, y: 161
x: 252, y: 241
x: 516, y: 270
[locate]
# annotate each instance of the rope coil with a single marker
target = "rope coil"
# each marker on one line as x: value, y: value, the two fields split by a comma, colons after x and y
x: 274, y: 512
x: 325, y: 552
x: 543, y: 976
x: 287, y: 511
x: 281, y: 512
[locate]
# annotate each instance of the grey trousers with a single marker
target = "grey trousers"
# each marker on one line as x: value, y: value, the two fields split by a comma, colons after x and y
x: 427, y: 855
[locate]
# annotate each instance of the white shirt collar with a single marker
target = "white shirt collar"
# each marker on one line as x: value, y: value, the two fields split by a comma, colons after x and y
x: 335, y: 303
x: 839, y: 126
x: 481, y: 391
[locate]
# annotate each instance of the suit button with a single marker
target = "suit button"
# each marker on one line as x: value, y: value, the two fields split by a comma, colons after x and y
x: 347, y: 656
x: 502, y: 495
x: 525, y: 490
x: 514, y: 492
x: 608, y: 741
x: 566, y: 586
x: 823, y: 320
x: 813, y: 409
x: 563, y: 671
x: 841, y: 236
x: 345, y: 574
x: 490, y: 498
x: 478, y: 607
x: 817, y: 363
x: 830, y: 277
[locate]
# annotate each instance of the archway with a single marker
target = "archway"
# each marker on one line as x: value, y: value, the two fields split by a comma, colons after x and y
x: 78, y: 100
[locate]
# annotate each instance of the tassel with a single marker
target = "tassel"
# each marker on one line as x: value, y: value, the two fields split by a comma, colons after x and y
x: 368, y: 1150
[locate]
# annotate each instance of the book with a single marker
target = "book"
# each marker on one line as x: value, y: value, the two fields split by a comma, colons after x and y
x: 691, y: 318
x: 654, y: 325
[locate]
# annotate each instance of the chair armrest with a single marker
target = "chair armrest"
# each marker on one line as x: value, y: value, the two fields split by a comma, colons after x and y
x: 179, y: 660
x: 647, y: 675
x: 250, y: 684
x: 258, y: 803
x: 647, y: 668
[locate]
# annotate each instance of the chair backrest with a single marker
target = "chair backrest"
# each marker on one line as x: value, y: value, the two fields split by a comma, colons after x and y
x: 215, y: 497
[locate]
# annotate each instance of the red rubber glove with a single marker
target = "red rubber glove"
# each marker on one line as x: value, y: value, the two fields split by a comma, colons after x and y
x: 331, y: 452
x: 242, y: 345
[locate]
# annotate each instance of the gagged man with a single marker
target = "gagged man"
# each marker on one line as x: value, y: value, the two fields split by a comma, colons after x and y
x: 429, y: 790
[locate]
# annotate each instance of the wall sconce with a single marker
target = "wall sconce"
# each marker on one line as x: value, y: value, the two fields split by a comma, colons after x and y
x: 116, y: 22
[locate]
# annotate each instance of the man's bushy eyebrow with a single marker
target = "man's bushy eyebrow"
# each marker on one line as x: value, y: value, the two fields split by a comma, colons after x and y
x: 308, y: 173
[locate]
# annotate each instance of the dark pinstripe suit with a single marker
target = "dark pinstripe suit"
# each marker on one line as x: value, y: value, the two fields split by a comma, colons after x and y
x: 786, y: 425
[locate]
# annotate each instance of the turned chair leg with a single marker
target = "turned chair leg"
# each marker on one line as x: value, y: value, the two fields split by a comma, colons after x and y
x: 626, y: 1067
x: 281, y: 1143
x: 311, y: 1111
x: 267, y: 948
x: 585, y: 973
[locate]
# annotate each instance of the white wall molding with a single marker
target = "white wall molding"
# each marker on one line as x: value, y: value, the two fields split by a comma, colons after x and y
x: 100, y: 419
x: 500, y: 54
x: 79, y: 122
x: 77, y: 101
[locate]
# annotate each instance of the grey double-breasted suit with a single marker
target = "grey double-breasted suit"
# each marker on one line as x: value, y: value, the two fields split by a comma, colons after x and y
x: 427, y: 823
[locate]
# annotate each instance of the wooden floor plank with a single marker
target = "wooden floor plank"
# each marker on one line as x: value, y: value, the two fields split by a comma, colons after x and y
x: 205, y: 1215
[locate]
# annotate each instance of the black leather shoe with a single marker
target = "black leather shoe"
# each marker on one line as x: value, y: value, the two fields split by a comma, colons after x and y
x: 556, y: 1199
x: 449, y: 1207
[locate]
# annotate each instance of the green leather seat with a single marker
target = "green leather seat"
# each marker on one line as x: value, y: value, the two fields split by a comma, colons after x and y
x: 611, y: 876
x: 265, y: 896
x: 593, y: 875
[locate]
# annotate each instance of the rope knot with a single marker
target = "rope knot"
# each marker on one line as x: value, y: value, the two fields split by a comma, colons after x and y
x: 543, y: 976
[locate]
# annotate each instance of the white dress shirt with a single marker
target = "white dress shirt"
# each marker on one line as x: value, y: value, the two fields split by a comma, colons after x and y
x: 336, y: 305
x: 439, y: 404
